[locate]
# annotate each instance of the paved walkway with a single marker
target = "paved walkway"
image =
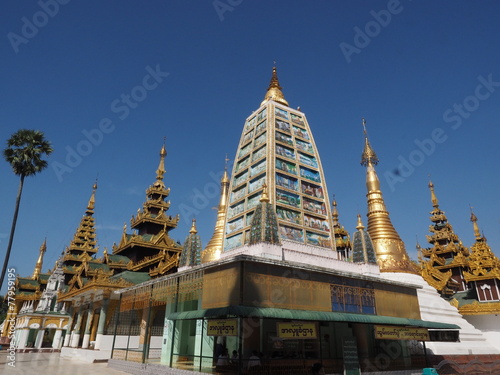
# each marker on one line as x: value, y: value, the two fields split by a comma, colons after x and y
x: 51, y: 364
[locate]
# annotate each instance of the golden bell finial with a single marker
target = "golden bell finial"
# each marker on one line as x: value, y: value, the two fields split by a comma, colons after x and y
x: 335, y: 212
x: 274, y: 90
x: 360, y: 225
x: 473, y: 218
x: 193, y: 229
x: 368, y: 157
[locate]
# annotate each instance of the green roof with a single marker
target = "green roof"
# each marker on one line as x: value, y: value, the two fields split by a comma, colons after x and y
x: 273, y: 313
x: 466, y: 297
x: 132, y: 277
x: 98, y: 266
x: 27, y: 282
x: 120, y: 259
x: 44, y: 276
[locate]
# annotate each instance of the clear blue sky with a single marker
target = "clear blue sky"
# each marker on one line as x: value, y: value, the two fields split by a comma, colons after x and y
x: 421, y: 66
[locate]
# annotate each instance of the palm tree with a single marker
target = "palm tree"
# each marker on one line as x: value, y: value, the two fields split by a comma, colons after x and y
x: 24, y: 153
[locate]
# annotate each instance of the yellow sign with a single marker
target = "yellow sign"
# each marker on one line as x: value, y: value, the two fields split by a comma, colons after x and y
x: 401, y: 333
x: 297, y: 330
x: 225, y: 327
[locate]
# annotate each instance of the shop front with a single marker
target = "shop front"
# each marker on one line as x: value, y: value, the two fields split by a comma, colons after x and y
x: 250, y: 315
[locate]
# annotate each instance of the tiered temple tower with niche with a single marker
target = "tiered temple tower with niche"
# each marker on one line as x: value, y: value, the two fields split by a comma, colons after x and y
x: 277, y: 148
x: 150, y: 248
x: 445, y: 260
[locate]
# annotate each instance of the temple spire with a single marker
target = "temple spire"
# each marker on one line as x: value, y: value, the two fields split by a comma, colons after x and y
x: 434, y: 199
x: 477, y: 232
x: 193, y: 229
x: 362, y: 249
x: 389, y: 248
x: 341, y: 235
x: 274, y: 90
x: 214, y: 247
x: 91, y: 204
x: 264, y: 197
x: 38, y: 267
x: 161, y: 167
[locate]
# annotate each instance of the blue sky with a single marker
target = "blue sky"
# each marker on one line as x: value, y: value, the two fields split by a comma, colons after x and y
x: 425, y: 75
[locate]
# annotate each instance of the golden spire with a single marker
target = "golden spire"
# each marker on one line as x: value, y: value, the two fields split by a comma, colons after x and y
x: 389, y: 248
x: 369, y: 157
x: 91, y: 204
x: 264, y: 197
x: 434, y: 199
x: 360, y: 225
x: 477, y: 232
x: 274, y: 90
x: 38, y: 267
x: 335, y: 212
x: 214, y: 247
x: 161, y: 167
x: 193, y: 229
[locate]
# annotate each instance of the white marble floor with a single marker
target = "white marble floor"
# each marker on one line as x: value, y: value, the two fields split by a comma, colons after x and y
x: 51, y: 364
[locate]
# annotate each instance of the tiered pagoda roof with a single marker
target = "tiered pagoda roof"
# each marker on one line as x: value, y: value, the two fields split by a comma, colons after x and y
x: 445, y: 260
x: 149, y: 248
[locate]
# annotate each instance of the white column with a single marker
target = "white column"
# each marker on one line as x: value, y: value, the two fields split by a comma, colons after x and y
x: 23, y: 336
x: 86, y: 332
x: 57, y: 339
x: 101, y: 323
x: 39, y: 338
x: 75, y: 335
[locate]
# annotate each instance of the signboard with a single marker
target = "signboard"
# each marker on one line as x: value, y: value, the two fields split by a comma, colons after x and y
x: 297, y: 330
x: 401, y: 333
x: 222, y: 327
x: 351, y: 360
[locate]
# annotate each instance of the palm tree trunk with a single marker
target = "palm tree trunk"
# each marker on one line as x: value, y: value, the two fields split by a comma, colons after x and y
x: 12, y: 230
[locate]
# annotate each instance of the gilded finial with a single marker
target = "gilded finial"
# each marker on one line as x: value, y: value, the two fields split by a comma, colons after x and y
x: 124, y: 228
x: 368, y: 157
x: 161, y: 166
x: 264, y: 197
x: 193, y: 229
x: 335, y: 213
x: 274, y: 90
x: 39, y: 262
x: 473, y: 219
x: 434, y: 199
x: 91, y: 203
x: 360, y: 225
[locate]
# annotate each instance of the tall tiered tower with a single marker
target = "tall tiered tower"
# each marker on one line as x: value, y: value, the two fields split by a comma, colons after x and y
x: 150, y: 247
x: 82, y: 248
x: 447, y: 257
x: 389, y: 248
x: 277, y: 148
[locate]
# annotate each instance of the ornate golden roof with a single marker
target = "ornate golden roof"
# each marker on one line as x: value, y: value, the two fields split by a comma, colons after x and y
x: 482, y: 262
x: 274, y: 90
x: 389, y: 248
x: 214, y: 247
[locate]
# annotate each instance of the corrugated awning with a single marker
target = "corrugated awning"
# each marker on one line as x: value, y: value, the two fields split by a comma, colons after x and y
x: 329, y: 316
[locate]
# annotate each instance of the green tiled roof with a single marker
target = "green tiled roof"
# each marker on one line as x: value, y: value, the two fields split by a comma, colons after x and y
x: 98, y: 266
x: 132, y: 277
x: 119, y: 259
x: 466, y: 297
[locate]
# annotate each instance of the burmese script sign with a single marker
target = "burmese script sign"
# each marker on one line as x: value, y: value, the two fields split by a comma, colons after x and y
x: 297, y: 330
x: 223, y: 327
x: 401, y: 333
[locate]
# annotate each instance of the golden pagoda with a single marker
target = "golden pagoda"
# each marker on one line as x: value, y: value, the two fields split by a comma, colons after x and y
x: 214, y: 247
x: 389, y: 248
